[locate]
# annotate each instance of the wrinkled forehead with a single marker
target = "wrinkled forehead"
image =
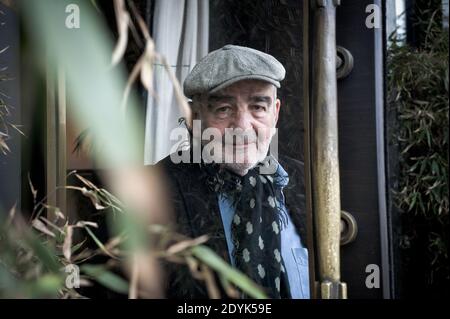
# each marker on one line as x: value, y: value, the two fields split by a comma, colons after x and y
x: 246, y: 88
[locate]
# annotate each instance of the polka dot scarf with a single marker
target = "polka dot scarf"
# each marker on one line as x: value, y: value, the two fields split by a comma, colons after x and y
x: 256, y: 226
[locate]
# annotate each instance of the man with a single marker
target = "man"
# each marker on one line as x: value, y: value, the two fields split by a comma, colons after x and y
x: 254, y: 215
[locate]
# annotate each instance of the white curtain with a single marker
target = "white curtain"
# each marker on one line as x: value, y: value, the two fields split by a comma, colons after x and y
x: 180, y: 32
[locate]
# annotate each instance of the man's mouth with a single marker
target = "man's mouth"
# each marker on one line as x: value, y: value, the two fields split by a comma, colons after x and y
x: 241, y: 145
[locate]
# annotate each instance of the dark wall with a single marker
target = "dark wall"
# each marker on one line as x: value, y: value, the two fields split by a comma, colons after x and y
x: 274, y: 27
x: 357, y: 104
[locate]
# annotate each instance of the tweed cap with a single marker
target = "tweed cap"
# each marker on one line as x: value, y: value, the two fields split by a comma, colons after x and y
x: 231, y: 64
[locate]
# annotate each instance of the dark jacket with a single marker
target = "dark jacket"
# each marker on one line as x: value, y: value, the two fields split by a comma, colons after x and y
x: 197, y: 213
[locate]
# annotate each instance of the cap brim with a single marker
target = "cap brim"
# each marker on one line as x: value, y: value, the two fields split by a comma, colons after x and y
x: 244, y: 77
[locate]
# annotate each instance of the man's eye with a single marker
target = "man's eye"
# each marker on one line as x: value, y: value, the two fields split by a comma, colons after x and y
x: 222, y: 109
x: 258, y: 108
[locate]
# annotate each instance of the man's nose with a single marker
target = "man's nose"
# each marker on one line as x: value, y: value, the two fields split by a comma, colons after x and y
x: 243, y: 120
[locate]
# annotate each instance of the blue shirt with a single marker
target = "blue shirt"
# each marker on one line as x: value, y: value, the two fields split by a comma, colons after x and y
x: 295, y: 256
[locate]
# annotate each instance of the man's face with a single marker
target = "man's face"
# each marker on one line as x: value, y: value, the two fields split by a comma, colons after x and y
x: 250, y: 108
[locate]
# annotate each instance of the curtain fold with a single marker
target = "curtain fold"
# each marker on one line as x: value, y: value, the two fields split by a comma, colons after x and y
x: 180, y: 32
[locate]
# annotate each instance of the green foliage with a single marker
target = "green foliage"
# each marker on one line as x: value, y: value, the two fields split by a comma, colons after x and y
x: 106, y: 278
x: 418, y: 95
x: 5, y: 112
x: 29, y: 264
x: 32, y: 264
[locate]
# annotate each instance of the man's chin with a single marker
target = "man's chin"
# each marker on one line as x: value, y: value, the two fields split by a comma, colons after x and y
x: 239, y: 168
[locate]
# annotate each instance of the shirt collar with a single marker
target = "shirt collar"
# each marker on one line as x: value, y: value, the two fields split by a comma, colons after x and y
x: 281, y: 177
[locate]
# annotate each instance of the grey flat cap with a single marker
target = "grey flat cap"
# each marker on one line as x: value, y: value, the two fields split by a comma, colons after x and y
x: 230, y: 64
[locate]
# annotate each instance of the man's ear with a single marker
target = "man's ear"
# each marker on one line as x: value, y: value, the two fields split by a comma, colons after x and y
x: 277, y: 109
x: 195, y: 114
x: 196, y: 109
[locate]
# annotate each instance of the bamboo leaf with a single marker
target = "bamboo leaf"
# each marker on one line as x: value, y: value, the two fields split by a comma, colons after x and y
x: 236, y: 277
x: 93, y: 197
x: 45, y: 286
x: 106, y: 278
x: 36, y: 223
x: 43, y: 253
x: 67, y: 246
x: 122, y: 20
x: 99, y: 243
x: 183, y: 245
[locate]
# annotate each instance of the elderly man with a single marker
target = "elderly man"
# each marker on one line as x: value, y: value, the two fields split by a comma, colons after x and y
x: 254, y: 215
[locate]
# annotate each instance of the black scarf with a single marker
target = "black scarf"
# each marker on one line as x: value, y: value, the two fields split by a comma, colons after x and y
x: 256, y: 225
